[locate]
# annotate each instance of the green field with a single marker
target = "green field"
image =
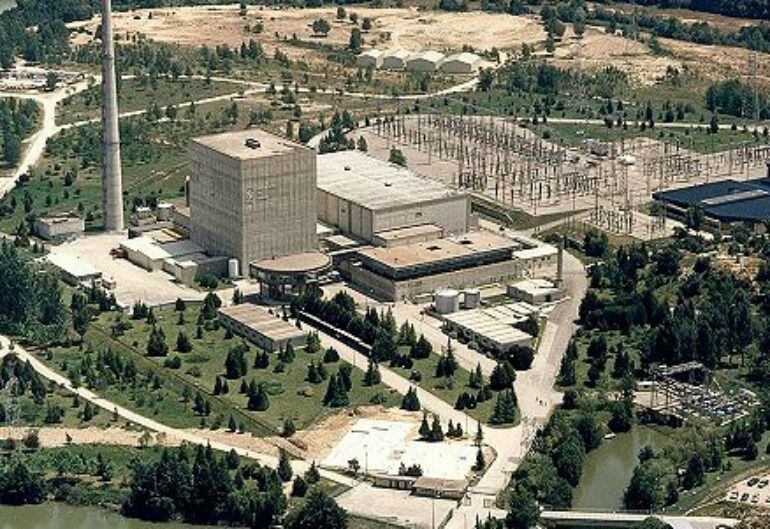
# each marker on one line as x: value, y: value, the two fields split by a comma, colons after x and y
x: 696, y: 138
x: 139, y: 93
x: 290, y: 395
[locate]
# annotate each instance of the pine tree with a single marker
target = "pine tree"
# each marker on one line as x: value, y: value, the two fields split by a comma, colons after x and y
x: 424, y: 428
x: 436, y: 433
x: 232, y: 426
x: 183, y: 344
x: 284, y: 467
x: 372, y: 376
x: 410, y: 402
x: 480, y: 463
x: 258, y: 399
x: 156, y: 345
x: 312, y: 476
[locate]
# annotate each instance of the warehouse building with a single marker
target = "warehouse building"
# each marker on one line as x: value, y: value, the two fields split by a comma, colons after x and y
x: 252, y: 196
x: 723, y: 203
x: 492, y: 328
x: 370, y: 59
x: 365, y: 197
x: 406, y: 271
x: 395, y: 59
x: 257, y: 325
x: 425, y: 61
x: 49, y: 228
x: 183, y: 259
x: 535, y: 291
x: 75, y: 271
x: 461, y: 63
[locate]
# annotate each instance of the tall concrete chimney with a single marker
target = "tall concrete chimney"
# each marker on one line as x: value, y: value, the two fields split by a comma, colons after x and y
x: 112, y: 175
x: 560, y: 263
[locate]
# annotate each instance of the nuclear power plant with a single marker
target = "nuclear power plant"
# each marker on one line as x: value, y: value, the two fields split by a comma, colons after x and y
x: 112, y: 176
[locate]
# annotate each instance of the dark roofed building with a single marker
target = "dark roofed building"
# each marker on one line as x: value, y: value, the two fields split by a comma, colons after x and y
x: 723, y: 203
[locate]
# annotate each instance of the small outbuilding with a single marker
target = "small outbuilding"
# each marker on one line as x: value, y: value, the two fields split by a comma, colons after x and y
x: 426, y: 61
x: 461, y: 63
x: 59, y: 226
x: 370, y: 59
x: 395, y: 59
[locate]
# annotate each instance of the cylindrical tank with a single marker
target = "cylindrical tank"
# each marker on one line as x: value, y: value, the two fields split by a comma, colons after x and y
x: 472, y: 298
x: 447, y: 301
x: 163, y: 212
x: 232, y: 268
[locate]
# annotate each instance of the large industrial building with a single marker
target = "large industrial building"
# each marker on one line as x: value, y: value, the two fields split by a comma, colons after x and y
x: 476, y: 258
x: 723, y: 203
x: 252, y: 196
x: 426, y: 61
x: 365, y: 197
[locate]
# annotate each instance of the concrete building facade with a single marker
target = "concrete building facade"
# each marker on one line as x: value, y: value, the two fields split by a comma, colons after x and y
x: 61, y: 226
x: 363, y: 197
x: 252, y: 196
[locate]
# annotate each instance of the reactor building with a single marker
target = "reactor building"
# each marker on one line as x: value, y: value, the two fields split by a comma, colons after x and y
x: 252, y: 196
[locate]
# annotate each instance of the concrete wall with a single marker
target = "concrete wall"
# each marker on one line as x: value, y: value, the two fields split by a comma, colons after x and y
x: 253, y: 209
x: 388, y: 290
x: 452, y: 214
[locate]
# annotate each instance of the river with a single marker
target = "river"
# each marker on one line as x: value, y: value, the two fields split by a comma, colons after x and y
x: 60, y: 516
x: 608, y: 469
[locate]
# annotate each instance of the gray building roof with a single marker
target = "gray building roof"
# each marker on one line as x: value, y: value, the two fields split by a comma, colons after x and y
x: 374, y: 184
x: 234, y: 144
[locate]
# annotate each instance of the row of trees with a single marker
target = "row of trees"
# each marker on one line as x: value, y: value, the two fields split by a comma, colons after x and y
x: 18, y: 118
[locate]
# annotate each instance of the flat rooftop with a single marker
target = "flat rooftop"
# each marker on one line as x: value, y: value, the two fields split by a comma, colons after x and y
x: 293, y: 264
x: 374, y: 184
x: 262, y: 322
x: 535, y: 286
x: 422, y: 253
x: 495, y: 323
x: 726, y: 200
x: 233, y: 144
x: 411, y: 231
x: 73, y: 265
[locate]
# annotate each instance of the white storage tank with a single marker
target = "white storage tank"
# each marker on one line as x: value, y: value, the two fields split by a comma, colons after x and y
x: 447, y: 301
x: 232, y: 268
x: 472, y: 298
x: 163, y: 211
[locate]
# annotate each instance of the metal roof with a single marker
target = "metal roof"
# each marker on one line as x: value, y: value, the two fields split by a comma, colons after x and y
x: 374, y: 184
x: 726, y: 200
x: 466, y: 57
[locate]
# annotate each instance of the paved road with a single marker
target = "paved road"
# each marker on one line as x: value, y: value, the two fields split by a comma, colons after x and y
x: 34, y: 146
x: 150, y: 424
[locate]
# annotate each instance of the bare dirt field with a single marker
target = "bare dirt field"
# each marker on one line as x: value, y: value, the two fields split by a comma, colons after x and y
x: 598, y: 50
x: 717, y: 62
x: 406, y: 28
x: 320, y: 438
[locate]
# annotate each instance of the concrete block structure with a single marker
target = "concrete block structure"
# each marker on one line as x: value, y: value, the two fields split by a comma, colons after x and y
x: 461, y: 63
x: 370, y: 59
x: 266, y: 330
x: 395, y: 59
x: 535, y: 291
x: 476, y: 258
x: 252, y: 196
x: 49, y: 228
x: 365, y: 197
x: 426, y: 61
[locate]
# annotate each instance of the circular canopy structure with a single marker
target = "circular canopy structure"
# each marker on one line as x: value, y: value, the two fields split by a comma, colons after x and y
x: 281, y: 278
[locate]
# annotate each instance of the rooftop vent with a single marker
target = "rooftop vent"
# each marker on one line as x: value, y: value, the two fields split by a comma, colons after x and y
x: 347, y: 168
x: 252, y: 143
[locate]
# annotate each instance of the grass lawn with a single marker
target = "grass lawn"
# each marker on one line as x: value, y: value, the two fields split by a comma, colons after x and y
x: 140, y: 93
x: 447, y: 389
x: 696, y: 138
x: 290, y: 396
